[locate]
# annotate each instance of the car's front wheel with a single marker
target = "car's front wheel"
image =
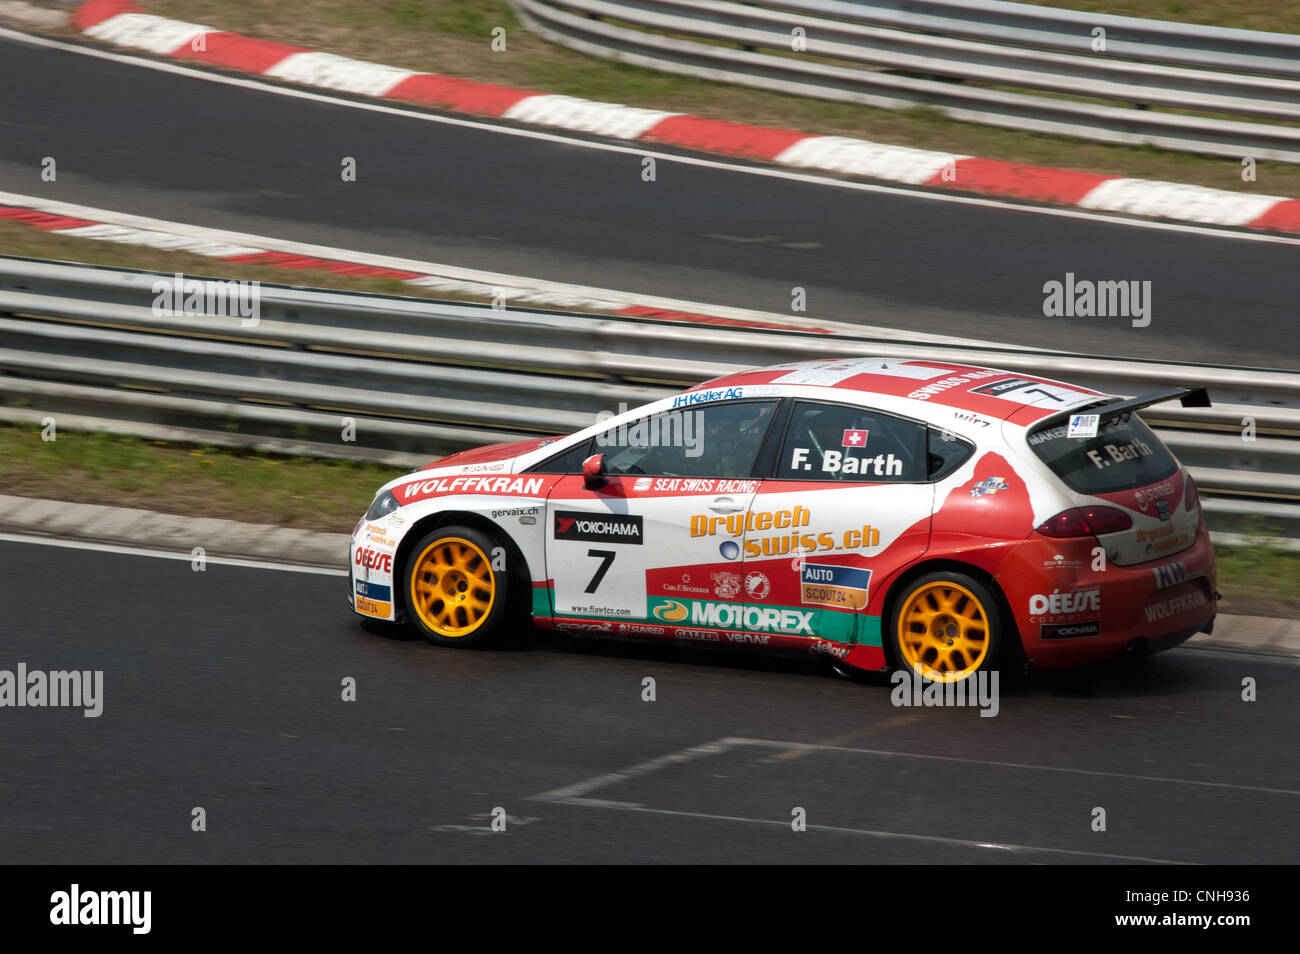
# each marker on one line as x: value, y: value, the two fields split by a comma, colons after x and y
x: 946, y: 626
x: 454, y: 593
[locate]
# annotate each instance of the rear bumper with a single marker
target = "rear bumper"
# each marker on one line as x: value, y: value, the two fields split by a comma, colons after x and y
x: 1070, y: 614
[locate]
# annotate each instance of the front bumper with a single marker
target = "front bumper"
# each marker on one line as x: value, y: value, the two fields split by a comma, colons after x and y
x: 371, y: 579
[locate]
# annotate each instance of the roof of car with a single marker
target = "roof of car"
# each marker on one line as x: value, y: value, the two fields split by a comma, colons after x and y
x: 986, y: 391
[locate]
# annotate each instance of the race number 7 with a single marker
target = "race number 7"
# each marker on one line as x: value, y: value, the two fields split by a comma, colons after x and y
x: 1043, y: 393
x: 606, y: 558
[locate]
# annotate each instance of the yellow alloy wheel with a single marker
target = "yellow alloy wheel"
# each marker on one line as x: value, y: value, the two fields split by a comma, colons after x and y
x: 453, y: 587
x: 943, y: 631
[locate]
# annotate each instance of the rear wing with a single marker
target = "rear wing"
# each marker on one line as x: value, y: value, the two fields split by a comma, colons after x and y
x: 1190, y: 397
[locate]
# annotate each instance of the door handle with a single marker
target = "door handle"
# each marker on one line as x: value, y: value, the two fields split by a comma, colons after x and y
x: 725, y: 505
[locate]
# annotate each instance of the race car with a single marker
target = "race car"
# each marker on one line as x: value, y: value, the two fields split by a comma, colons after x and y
x: 880, y: 512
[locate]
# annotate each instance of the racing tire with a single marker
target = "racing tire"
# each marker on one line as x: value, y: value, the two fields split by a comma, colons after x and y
x: 453, y: 593
x: 946, y: 626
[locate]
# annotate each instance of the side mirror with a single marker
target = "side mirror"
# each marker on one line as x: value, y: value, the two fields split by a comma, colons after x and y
x: 593, y: 472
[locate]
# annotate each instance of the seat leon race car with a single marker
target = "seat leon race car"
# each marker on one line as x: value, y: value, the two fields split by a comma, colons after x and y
x: 881, y: 512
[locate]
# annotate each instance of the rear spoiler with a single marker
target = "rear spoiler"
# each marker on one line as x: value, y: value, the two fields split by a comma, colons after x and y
x: 1190, y: 397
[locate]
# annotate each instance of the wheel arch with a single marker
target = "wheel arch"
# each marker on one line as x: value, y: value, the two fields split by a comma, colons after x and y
x: 934, y: 565
x: 516, y: 564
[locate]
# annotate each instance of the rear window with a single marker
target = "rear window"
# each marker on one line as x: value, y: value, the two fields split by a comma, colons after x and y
x: 1125, y: 454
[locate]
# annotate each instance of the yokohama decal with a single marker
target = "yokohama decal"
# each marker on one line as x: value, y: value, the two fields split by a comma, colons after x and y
x: 598, y: 527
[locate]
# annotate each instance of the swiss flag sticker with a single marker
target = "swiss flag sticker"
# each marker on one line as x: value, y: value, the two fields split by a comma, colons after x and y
x: 854, y: 438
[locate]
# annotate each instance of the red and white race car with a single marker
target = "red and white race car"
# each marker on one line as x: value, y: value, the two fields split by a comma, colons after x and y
x: 881, y: 512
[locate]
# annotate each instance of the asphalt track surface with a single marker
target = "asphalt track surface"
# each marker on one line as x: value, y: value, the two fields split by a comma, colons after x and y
x: 222, y: 689
x: 141, y: 141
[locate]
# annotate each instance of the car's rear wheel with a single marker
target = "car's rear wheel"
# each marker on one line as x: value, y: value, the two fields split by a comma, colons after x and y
x: 947, y: 626
x: 454, y: 594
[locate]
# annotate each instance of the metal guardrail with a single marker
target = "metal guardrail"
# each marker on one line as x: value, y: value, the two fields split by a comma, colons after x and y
x: 972, y: 59
x: 418, y: 378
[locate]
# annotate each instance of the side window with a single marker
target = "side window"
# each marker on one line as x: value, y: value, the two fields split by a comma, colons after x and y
x: 841, y: 442
x: 711, y: 440
x: 947, y: 453
x: 565, y: 462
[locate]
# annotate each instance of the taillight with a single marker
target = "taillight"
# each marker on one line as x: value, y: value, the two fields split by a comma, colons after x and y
x: 1191, y: 499
x: 1085, y: 522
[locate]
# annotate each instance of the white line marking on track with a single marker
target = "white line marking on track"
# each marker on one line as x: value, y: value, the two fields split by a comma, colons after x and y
x: 576, y: 795
x: 1278, y: 656
x: 580, y: 789
x: 814, y: 746
x: 642, y: 151
x: 866, y: 832
x: 165, y: 554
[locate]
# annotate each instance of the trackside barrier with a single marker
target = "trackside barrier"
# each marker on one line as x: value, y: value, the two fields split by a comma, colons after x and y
x: 1004, y: 64
x: 413, y: 379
